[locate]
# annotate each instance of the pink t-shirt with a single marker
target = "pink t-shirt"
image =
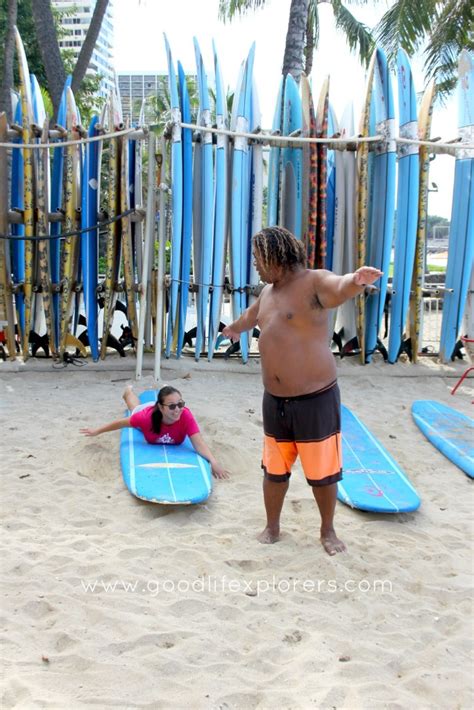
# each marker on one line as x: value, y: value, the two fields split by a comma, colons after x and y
x: 169, y: 433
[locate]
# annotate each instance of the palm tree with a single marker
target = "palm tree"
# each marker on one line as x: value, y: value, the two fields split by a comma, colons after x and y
x: 442, y: 27
x: 303, y: 30
x: 6, y: 80
x: 50, y: 52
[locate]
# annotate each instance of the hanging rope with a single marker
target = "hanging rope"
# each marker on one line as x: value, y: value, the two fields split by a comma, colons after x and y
x: 76, y: 233
x: 80, y: 141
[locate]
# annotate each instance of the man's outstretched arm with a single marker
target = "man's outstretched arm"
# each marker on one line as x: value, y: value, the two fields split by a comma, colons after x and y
x: 334, y: 290
x: 247, y: 321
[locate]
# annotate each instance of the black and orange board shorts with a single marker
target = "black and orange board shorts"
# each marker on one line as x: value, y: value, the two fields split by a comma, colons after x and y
x: 308, y: 426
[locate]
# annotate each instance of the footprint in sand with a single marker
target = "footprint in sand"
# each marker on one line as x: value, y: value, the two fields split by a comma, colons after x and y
x: 294, y: 637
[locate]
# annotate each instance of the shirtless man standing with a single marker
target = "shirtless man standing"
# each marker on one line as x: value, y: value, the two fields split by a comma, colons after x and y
x: 301, y: 402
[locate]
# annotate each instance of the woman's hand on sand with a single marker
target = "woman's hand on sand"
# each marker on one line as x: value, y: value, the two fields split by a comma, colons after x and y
x: 219, y: 472
x: 366, y: 275
x: 232, y: 334
x: 89, y: 432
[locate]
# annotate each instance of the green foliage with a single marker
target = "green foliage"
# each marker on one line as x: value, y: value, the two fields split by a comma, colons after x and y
x: 358, y: 36
x: 229, y: 8
x: 434, y: 220
x: 452, y: 32
x: 87, y: 98
x: 442, y: 28
x: 26, y: 27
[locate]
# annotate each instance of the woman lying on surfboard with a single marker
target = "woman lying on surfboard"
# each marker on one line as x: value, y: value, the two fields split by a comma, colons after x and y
x: 166, y: 422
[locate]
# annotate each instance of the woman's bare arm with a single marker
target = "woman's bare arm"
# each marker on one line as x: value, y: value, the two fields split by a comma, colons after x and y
x: 113, y: 426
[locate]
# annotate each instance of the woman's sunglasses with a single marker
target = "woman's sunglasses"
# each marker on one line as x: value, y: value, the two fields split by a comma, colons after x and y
x: 173, y: 406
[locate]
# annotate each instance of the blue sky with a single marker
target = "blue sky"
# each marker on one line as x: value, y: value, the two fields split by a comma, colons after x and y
x: 139, y: 46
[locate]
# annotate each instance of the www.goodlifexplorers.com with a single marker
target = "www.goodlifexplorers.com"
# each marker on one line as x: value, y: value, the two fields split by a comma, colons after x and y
x: 251, y: 587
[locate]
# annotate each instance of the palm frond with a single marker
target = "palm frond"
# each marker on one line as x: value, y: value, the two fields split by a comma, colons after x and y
x: 358, y: 35
x: 312, y: 35
x: 453, y: 32
x: 313, y: 21
x: 406, y: 24
x: 229, y: 8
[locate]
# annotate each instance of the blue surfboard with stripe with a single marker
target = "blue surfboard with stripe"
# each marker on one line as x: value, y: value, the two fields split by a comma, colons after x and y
x: 177, y: 201
x: 90, y: 239
x: 450, y: 431
x: 373, y: 481
x: 461, y: 235
x: 187, y: 222
x: 407, y: 207
x: 382, y: 196
x: 167, y: 474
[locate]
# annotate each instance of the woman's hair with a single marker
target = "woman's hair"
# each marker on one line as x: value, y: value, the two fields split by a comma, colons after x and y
x: 276, y: 246
x: 156, y: 415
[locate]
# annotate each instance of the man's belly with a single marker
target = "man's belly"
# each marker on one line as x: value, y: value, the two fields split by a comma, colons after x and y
x: 294, y: 365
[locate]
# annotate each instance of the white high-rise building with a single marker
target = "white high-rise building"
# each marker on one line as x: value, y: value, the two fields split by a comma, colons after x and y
x: 76, y: 24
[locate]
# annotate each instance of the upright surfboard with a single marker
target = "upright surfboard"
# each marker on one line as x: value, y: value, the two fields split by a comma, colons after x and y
x: 273, y: 210
x: 6, y: 293
x: 346, y: 315
x: 362, y: 201
x: 310, y: 173
x: 42, y: 229
x: 292, y: 162
x: 336, y: 206
x: 177, y: 202
x: 57, y: 197
x: 461, y: 235
x: 220, y: 209
x: 90, y: 239
x: 240, y: 199
x: 322, y: 132
x: 187, y: 222
x: 416, y: 295
x: 450, y: 431
x: 28, y: 190
x: 383, y: 199
x: 256, y: 194
x: 407, y: 207
x: 203, y: 247
x: 113, y: 244
x: 167, y: 474
x: 69, y: 261
x: 372, y: 481
x: 18, y: 230
x: 41, y: 326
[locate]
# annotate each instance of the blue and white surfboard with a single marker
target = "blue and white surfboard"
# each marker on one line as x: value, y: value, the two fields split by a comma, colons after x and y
x: 450, y: 431
x: 407, y: 207
x: 461, y: 235
x: 382, y: 208
x: 167, y: 474
x: 373, y: 480
x: 177, y: 201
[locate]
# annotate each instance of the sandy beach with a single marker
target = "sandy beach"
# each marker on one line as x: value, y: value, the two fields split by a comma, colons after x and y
x: 109, y: 602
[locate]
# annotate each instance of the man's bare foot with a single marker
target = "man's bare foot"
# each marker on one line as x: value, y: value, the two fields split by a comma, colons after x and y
x: 331, y: 542
x: 269, y: 536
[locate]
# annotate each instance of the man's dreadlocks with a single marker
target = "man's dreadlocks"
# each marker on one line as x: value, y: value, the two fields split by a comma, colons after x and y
x: 276, y: 246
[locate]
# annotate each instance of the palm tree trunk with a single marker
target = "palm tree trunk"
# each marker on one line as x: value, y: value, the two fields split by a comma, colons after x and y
x: 88, y: 45
x: 49, y: 47
x: 295, y: 39
x: 309, y: 46
x: 9, y: 52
